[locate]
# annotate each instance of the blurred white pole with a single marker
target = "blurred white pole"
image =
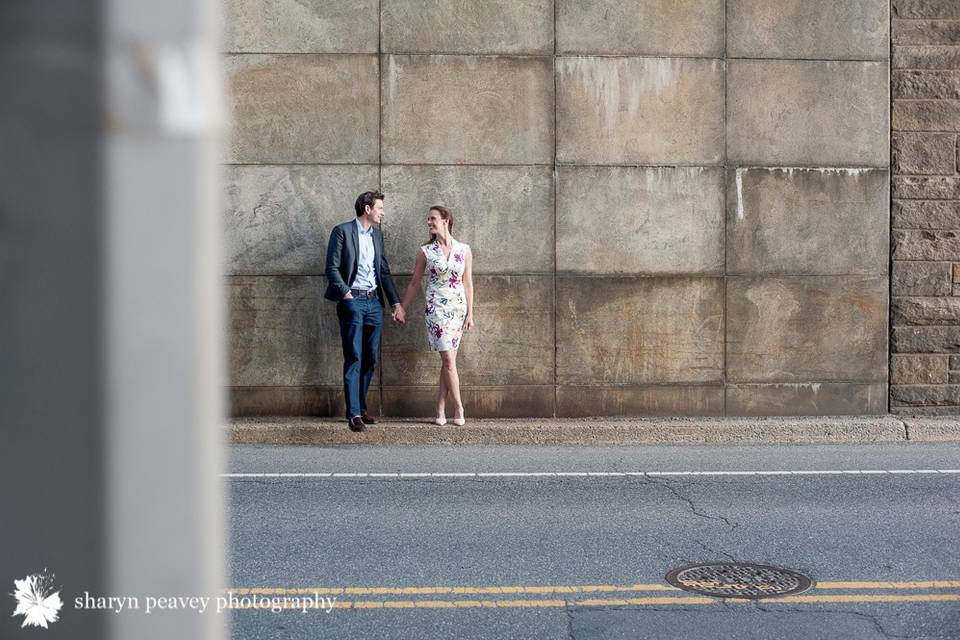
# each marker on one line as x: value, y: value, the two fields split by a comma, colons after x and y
x: 110, y: 311
x: 164, y: 299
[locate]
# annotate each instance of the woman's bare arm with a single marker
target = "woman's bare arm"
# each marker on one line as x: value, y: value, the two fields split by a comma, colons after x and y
x: 414, y: 286
x: 468, y: 288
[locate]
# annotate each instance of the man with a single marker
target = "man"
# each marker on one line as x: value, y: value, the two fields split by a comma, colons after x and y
x: 359, y: 277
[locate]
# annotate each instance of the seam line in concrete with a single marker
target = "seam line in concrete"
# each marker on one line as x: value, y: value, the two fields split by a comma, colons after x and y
x: 725, y: 185
x: 649, y: 276
x: 589, y: 474
x: 380, y: 162
x: 556, y: 314
x: 889, y: 230
x: 710, y: 384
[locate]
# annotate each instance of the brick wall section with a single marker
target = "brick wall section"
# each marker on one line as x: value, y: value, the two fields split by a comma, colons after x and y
x: 925, y: 284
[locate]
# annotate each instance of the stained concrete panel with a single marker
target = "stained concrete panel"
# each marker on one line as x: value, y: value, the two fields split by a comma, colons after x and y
x: 454, y: 26
x: 277, y: 219
x: 641, y: 27
x: 513, y: 401
x: 282, y: 332
x: 300, y: 26
x: 505, y: 214
x: 654, y: 400
x: 807, y: 329
x: 512, y: 342
x: 294, y: 401
x: 629, y: 220
x: 622, y: 331
x: 793, y: 112
x: 463, y: 109
x: 303, y: 108
x: 808, y: 221
x: 639, y: 110
x: 806, y: 399
x: 812, y: 29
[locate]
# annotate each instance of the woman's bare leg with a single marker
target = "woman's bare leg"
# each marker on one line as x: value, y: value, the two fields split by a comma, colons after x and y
x: 453, y: 381
x: 442, y: 389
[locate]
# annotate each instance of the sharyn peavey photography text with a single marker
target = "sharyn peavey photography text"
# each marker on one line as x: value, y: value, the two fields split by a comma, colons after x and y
x: 202, y: 604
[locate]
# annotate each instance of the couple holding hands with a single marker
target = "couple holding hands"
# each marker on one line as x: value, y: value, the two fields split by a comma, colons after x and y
x: 359, y: 278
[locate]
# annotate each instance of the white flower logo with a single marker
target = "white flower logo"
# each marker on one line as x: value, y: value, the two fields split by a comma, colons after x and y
x: 35, y: 600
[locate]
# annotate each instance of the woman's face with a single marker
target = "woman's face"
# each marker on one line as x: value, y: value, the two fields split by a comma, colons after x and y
x: 435, y: 223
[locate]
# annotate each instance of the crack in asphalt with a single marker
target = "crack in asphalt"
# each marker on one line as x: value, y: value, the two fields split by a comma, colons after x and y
x: 569, y: 616
x: 571, y: 607
x: 665, y: 483
x: 726, y: 555
x: 730, y: 606
x: 870, y: 618
x: 643, y: 608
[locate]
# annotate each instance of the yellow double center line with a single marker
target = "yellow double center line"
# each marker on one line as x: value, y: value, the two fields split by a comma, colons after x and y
x: 346, y: 596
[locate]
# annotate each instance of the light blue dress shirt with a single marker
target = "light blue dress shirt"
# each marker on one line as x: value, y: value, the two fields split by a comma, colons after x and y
x: 365, y: 279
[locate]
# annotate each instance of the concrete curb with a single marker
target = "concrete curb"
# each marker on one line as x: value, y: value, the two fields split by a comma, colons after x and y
x: 933, y: 429
x: 597, y: 431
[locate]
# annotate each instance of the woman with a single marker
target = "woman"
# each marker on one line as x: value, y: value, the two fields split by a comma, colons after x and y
x: 449, y: 309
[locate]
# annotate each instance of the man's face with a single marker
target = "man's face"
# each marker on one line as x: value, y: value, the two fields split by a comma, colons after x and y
x: 375, y: 213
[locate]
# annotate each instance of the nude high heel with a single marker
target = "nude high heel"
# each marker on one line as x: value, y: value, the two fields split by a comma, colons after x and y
x: 459, y: 421
x: 441, y: 421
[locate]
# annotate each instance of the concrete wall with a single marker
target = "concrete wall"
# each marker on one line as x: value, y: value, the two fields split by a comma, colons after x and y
x: 925, y: 377
x: 675, y: 206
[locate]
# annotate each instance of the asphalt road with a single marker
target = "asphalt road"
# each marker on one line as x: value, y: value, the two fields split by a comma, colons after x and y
x: 580, y: 556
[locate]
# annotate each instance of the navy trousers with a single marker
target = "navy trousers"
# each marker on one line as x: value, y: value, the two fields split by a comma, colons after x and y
x: 361, y: 322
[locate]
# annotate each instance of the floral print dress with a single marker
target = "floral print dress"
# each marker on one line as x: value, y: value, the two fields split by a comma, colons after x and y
x: 446, y: 299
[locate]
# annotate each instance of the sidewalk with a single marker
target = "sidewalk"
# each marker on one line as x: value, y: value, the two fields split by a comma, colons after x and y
x: 596, y: 431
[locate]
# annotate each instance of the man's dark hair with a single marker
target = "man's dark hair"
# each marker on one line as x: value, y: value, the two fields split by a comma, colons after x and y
x: 365, y: 199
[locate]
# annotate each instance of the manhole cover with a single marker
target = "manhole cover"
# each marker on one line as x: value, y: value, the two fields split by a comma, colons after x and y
x: 736, y: 580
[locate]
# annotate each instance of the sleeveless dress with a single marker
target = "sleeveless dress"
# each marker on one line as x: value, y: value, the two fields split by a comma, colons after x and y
x: 446, y: 307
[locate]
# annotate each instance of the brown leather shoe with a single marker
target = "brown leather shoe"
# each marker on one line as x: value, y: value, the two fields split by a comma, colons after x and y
x: 355, y: 423
x: 367, y: 419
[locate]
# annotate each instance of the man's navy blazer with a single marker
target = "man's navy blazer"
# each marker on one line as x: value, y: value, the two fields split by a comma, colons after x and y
x: 342, y: 252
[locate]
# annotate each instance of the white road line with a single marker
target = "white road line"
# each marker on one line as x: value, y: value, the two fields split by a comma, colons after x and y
x: 596, y: 474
